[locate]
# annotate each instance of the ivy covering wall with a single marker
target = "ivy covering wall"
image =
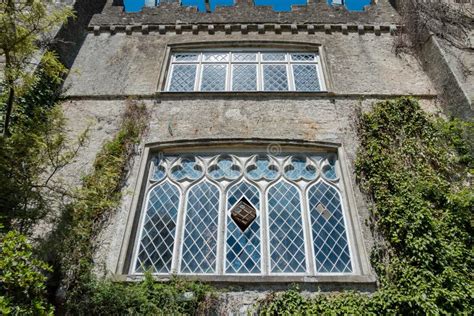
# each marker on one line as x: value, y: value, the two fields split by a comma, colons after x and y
x: 417, y: 171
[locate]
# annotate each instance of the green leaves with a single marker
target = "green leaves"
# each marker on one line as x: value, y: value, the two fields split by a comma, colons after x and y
x: 22, y: 279
x: 416, y: 169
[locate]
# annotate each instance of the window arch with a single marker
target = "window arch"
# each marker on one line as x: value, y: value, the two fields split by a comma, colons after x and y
x: 200, y: 233
x: 243, y: 249
x: 287, y: 250
x: 331, y: 248
x: 158, y: 229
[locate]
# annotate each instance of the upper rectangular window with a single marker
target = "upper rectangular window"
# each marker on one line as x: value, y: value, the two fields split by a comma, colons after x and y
x: 220, y: 71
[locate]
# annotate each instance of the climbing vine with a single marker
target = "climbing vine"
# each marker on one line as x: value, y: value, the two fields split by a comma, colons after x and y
x: 417, y: 171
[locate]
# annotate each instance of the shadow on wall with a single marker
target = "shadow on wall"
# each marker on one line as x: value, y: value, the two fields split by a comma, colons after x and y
x: 278, y: 5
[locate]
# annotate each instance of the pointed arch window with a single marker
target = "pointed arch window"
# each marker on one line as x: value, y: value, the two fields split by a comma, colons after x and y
x: 244, y: 213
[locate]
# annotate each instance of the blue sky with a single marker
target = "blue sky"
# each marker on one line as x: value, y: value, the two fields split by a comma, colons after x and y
x: 278, y: 5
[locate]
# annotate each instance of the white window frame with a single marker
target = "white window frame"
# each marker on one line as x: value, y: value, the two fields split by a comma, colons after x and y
x: 259, y: 62
x: 263, y: 186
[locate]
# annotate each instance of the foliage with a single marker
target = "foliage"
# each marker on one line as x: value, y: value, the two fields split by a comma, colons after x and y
x: 25, y: 27
x: 177, y: 297
x: 417, y: 171
x: 22, y: 279
x: 98, y: 198
x: 29, y: 160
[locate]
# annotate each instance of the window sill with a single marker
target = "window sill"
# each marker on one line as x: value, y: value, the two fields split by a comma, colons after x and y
x: 368, y: 280
x: 240, y: 94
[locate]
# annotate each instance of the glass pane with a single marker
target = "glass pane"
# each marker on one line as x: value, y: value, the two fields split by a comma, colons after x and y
x: 299, y: 168
x: 216, y: 57
x: 182, y: 78
x: 200, y: 232
x: 243, y: 247
x: 275, y: 78
x: 286, y: 229
x: 213, y: 78
x: 186, y: 56
x: 262, y: 169
x: 329, y: 233
x: 187, y: 168
x: 244, y: 56
x: 244, y: 77
x: 306, y: 78
x: 224, y: 168
x: 156, y: 245
x: 274, y: 56
x: 303, y: 57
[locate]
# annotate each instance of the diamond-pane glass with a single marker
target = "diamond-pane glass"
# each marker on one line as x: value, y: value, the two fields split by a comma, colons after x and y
x: 244, y: 77
x: 244, y: 56
x: 243, y: 247
x: 275, y: 78
x: 303, y: 57
x: 186, y: 57
x: 287, y: 251
x: 216, y: 57
x: 273, y: 56
x: 329, y: 233
x: 182, y: 78
x: 158, y: 232
x: 213, y: 78
x: 200, y: 232
x: 306, y: 77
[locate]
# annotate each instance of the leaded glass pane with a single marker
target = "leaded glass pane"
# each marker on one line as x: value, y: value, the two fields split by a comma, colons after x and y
x: 182, y: 78
x: 156, y: 246
x: 287, y: 251
x: 244, y: 56
x: 244, y: 77
x: 303, y: 57
x: 186, y: 169
x: 224, y: 168
x: 186, y: 56
x: 274, y: 56
x: 243, y: 247
x: 331, y: 248
x: 262, y: 168
x: 300, y: 169
x: 213, y: 78
x: 200, y: 230
x: 216, y: 57
x: 306, y: 77
x: 275, y: 78
x: 329, y: 169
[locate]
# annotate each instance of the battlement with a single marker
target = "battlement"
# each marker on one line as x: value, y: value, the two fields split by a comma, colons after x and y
x: 245, y: 12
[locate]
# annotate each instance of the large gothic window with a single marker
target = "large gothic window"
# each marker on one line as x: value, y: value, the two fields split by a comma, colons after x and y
x: 245, y: 70
x: 241, y: 213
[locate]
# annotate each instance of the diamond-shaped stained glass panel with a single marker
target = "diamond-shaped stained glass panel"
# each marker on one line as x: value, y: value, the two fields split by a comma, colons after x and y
x: 244, y: 77
x: 287, y: 251
x: 200, y: 234
x: 158, y: 232
x: 213, y: 77
x: 331, y: 248
x: 275, y: 78
x: 243, y: 247
x: 183, y: 78
x: 306, y: 77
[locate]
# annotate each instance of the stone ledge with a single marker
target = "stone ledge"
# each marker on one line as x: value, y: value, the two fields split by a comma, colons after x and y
x: 245, y: 28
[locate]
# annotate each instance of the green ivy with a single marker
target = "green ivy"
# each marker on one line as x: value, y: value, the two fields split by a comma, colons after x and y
x: 22, y: 279
x: 417, y: 171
